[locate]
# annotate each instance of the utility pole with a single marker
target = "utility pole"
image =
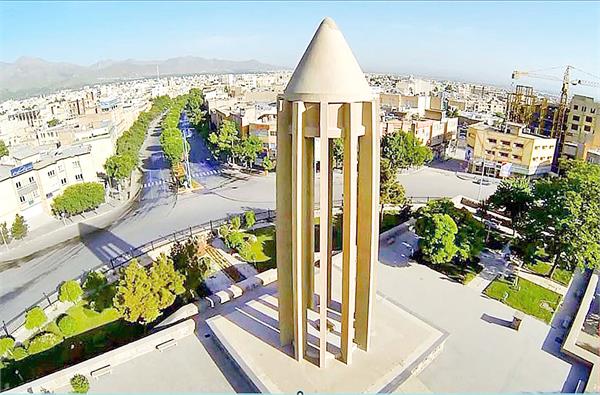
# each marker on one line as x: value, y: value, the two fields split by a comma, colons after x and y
x: 481, y: 180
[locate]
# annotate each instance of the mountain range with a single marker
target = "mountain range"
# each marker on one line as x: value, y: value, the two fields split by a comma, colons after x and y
x: 29, y: 76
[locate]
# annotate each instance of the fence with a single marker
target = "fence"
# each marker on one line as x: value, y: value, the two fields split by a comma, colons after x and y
x: 50, y: 298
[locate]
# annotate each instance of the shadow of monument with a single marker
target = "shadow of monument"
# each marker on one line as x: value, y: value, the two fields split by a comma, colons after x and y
x: 103, y: 243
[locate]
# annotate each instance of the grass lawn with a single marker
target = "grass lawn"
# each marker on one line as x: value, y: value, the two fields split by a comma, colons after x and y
x: 539, y: 267
x: 89, y: 319
x: 468, y: 277
x: 528, y: 297
x: 562, y: 276
x: 542, y: 268
x: 264, y: 248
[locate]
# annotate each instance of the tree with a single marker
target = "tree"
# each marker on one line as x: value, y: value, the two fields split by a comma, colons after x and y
x: 390, y: 190
x: 142, y: 294
x: 70, y: 291
x: 403, y: 150
x: 470, y: 236
x: 338, y: 153
x: 80, y: 384
x: 249, y: 219
x: 79, y: 198
x: 564, y: 218
x: 5, y: 235
x: 224, y: 140
x: 188, y: 262
x: 7, y: 345
x: 35, y: 318
x: 19, y: 228
x: 3, y: 149
x: 514, y: 195
x: 167, y: 282
x: 120, y: 166
x: 53, y: 122
x: 135, y: 298
x: 437, y: 233
x: 452, y: 112
x: 171, y: 141
x: 248, y: 150
x: 268, y: 164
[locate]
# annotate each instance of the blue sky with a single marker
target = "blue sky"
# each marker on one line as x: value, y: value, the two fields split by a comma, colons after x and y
x: 475, y: 41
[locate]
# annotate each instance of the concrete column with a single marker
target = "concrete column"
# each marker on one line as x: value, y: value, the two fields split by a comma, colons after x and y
x: 324, y: 204
x: 368, y: 223
x: 349, y: 245
x: 297, y: 229
x: 284, y: 222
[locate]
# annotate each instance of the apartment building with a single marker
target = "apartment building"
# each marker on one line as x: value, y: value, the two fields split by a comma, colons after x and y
x: 582, y: 133
x: 29, y: 185
x: 508, y: 151
x: 266, y: 130
x: 434, y: 133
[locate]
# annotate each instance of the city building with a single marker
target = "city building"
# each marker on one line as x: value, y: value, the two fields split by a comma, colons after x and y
x: 29, y: 185
x: 582, y: 134
x: 506, y: 151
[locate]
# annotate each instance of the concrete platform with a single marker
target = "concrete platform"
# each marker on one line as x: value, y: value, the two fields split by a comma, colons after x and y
x: 402, y: 344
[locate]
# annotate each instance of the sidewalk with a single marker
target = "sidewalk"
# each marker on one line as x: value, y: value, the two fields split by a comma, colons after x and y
x: 493, y: 265
x: 56, y: 232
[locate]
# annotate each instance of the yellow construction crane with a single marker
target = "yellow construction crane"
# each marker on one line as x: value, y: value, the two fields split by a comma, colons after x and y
x: 560, y: 117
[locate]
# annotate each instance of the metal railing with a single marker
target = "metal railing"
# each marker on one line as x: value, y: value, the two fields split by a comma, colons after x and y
x: 50, y: 298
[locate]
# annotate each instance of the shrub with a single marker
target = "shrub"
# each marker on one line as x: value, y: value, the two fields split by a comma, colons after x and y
x: 103, y: 299
x: 70, y: 291
x: 7, y: 346
x: 35, y: 318
x: 235, y: 239
x: 94, y: 281
x: 224, y: 231
x: 80, y: 384
x: 249, y: 218
x: 236, y: 223
x: 67, y: 325
x: 79, y: 198
x: 20, y: 353
x: 42, y: 342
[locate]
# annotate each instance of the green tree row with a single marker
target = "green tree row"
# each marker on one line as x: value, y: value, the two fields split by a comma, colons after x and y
x: 119, y: 166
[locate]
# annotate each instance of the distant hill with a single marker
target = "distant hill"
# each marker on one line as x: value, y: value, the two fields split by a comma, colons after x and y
x: 33, y: 76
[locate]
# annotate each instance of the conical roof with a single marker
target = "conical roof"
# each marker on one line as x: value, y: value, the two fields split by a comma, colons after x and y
x: 328, y: 71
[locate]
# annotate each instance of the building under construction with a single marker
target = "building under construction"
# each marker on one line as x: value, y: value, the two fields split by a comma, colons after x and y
x: 537, y: 113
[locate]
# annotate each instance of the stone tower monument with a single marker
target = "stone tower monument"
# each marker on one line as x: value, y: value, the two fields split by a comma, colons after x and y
x: 327, y: 97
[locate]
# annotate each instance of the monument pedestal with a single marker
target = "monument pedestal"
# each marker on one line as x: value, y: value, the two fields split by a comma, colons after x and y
x: 401, y: 345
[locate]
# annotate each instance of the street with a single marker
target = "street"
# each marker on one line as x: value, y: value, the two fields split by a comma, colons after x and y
x: 160, y: 212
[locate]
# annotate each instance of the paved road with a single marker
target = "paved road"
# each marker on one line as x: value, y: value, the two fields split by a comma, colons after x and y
x: 160, y: 213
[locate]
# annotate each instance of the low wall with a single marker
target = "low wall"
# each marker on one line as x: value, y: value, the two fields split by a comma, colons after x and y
x: 61, y: 379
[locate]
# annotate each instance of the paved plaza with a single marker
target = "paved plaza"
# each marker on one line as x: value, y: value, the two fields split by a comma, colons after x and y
x: 480, y: 353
